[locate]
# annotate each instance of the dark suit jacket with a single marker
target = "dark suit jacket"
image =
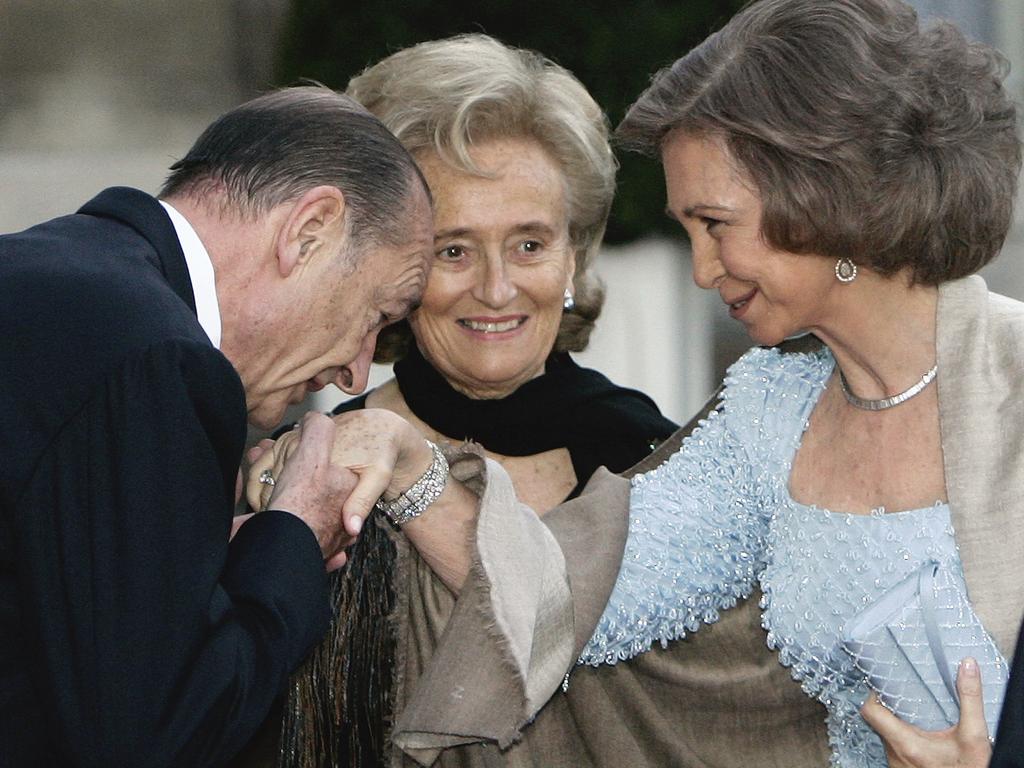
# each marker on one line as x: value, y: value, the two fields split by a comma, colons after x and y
x: 131, y: 633
x: 1009, y: 748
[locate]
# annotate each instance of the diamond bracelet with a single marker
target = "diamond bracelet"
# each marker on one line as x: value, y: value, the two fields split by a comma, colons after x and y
x: 414, y: 500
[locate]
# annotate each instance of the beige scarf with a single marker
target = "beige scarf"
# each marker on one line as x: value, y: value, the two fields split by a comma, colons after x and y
x: 475, y: 672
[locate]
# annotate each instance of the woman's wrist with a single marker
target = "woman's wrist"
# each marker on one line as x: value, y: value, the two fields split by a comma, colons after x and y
x: 420, y: 494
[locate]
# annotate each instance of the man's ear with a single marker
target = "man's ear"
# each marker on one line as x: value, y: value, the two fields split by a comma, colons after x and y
x: 315, y: 224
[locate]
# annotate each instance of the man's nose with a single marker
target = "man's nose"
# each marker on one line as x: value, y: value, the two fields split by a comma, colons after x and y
x: 352, y: 378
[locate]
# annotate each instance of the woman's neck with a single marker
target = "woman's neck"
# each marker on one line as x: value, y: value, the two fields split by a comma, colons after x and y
x: 882, y: 335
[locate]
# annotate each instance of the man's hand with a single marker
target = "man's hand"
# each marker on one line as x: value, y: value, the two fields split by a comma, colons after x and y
x: 384, y: 452
x: 386, y: 455
x: 307, y: 484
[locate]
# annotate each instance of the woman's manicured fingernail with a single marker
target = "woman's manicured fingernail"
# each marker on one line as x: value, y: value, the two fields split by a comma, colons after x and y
x: 970, y: 666
x: 355, y: 524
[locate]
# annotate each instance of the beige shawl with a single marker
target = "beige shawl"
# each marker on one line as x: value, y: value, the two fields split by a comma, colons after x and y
x: 474, y: 672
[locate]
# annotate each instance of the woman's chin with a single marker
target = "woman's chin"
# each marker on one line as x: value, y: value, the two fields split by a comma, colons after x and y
x: 478, y: 391
x: 490, y: 385
x: 766, y: 337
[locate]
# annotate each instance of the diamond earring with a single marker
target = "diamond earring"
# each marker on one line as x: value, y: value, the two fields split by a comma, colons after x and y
x: 846, y: 270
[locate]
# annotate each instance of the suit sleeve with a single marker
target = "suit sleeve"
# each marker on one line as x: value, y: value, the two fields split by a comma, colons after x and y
x: 157, y: 643
x: 1009, y: 747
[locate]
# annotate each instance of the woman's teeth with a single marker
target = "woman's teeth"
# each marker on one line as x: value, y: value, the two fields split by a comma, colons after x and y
x: 505, y: 325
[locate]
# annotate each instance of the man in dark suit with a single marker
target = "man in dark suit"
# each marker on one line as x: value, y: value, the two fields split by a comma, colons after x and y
x: 137, y: 335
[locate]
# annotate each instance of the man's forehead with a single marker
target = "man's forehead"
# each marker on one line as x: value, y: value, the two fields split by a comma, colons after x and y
x: 405, y: 277
x: 422, y: 213
x: 421, y: 234
x: 403, y: 268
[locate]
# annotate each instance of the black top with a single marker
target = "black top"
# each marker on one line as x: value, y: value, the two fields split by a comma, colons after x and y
x: 131, y: 633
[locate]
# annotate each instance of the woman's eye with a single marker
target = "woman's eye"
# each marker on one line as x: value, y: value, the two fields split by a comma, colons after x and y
x: 451, y: 253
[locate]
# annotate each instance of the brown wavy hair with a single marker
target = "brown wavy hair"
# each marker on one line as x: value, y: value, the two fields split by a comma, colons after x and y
x: 866, y: 135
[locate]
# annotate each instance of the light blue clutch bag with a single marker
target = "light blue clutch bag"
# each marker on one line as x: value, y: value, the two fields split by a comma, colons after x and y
x: 909, y: 644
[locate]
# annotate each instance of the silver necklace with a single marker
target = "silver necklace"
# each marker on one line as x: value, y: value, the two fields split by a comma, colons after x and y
x: 886, y: 402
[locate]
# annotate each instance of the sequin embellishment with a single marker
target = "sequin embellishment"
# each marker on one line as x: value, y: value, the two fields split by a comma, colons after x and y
x: 717, y: 517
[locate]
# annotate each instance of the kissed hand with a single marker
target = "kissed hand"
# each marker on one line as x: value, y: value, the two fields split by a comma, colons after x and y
x: 380, y: 451
x: 307, y: 483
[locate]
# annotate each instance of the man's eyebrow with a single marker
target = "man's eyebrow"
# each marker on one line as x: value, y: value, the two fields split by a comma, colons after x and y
x: 445, y: 234
x: 409, y: 299
x: 693, y: 211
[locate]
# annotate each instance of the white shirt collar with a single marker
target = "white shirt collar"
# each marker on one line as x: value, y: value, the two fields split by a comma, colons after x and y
x: 200, y: 270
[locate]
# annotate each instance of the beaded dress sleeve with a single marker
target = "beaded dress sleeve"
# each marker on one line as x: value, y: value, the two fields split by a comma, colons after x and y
x: 698, y: 524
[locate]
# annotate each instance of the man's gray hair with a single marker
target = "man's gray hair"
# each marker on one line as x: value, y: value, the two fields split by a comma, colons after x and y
x: 276, y: 147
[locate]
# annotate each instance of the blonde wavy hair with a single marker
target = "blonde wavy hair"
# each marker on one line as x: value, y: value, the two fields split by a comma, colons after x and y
x: 445, y: 96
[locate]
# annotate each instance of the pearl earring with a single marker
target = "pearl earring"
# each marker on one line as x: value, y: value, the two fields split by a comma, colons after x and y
x: 568, y: 302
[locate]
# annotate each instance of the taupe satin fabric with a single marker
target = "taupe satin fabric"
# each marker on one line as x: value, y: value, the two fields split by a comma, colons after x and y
x: 980, y: 347
x: 718, y: 698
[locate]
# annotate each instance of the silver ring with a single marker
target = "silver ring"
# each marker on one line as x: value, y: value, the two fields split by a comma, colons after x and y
x: 267, y: 478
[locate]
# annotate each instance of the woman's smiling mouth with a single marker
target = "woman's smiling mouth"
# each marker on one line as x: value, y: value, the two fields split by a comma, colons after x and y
x: 495, y: 325
x: 739, y: 306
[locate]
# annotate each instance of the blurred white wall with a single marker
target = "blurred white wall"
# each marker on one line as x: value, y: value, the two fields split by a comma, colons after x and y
x: 654, y: 333
x: 101, y: 92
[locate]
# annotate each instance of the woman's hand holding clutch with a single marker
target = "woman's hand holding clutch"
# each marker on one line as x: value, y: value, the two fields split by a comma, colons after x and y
x: 965, y: 745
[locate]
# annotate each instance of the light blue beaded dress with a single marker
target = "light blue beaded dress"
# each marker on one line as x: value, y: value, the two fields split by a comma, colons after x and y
x: 717, y: 518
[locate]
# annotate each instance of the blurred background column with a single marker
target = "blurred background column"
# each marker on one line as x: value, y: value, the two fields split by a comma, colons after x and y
x: 977, y: 18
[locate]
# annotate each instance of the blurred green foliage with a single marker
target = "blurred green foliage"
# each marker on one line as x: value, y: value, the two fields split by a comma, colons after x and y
x: 612, y: 46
